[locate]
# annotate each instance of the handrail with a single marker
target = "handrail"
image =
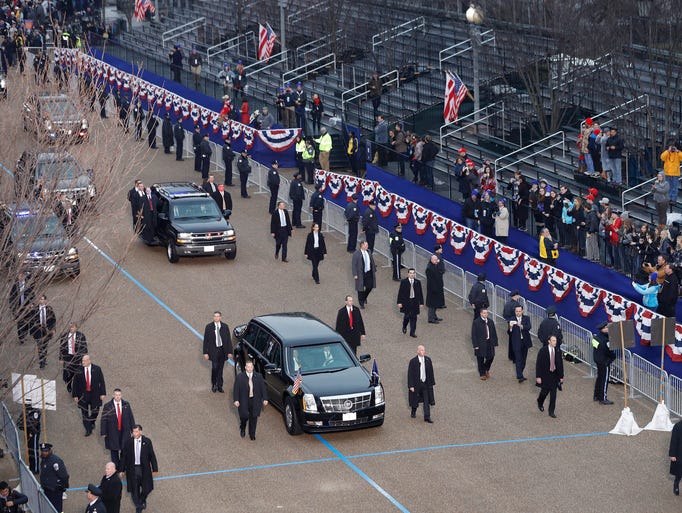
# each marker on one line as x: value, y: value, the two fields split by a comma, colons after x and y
x: 228, y: 45
x: 576, y: 72
x: 181, y: 29
x: 622, y: 194
x: 399, y: 30
x: 636, y: 109
x: 526, y: 157
x: 316, y: 44
x: 302, y: 71
x: 344, y: 99
x: 472, y: 115
x: 489, y: 36
x: 302, y: 14
x: 275, y: 61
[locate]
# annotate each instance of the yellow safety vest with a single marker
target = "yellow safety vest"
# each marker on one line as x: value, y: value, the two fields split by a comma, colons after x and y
x: 308, y: 156
x: 543, y: 248
x: 300, y: 146
x: 325, y: 142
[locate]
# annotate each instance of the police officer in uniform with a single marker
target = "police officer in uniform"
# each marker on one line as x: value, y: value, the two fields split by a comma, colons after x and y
x: 196, y: 143
x: 317, y: 205
x: 352, y: 214
x: 228, y: 157
x: 53, y: 476
x: 33, y: 434
x: 550, y: 326
x: 478, y: 296
x: 206, y: 152
x: 370, y: 225
x: 95, y: 504
x: 273, y: 185
x: 179, y: 135
x: 603, y: 356
x: 397, y: 243
x: 244, y: 169
x: 297, y: 195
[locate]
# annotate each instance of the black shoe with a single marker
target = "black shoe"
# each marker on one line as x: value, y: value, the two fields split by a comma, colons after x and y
x: 214, y: 388
x: 413, y: 414
x: 252, y: 437
x: 676, y: 488
x: 551, y: 414
x: 242, y: 433
x: 300, y: 226
x: 276, y: 256
x: 522, y: 379
x: 428, y: 420
x: 540, y: 407
x: 284, y: 260
x: 144, y: 505
x: 595, y: 399
x: 605, y: 401
x: 434, y: 321
x: 43, y: 365
x: 88, y: 433
x: 317, y: 281
x: 413, y: 335
x: 438, y: 319
x: 396, y: 279
x: 220, y: 389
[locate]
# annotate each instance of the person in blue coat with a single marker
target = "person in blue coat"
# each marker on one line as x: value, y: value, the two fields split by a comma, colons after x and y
x: 649, y: 291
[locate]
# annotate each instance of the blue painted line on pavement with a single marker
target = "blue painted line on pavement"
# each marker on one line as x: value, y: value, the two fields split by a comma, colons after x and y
x: 364, y: 476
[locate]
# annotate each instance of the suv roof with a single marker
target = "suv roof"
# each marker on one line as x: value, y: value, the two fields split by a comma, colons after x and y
x: 173, y: 190
x: 298, y: 328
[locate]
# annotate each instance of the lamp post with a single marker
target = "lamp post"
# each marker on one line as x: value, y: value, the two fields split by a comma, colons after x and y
x: 282, y: 4
x: 475, y: 18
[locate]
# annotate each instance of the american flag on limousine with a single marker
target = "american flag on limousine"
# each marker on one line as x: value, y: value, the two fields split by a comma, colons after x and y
x: 298, y: 381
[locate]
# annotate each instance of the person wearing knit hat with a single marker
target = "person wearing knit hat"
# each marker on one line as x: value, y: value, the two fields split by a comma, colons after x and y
x: 649, y: 291
x: 470, y: 211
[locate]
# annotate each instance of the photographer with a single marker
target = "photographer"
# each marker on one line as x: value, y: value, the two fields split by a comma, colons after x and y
x: 10, y: 499
x: 672, y: 158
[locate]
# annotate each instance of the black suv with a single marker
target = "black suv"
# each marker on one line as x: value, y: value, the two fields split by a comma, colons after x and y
x: 189, y: 222
x: 336, y: 392
x: 38, y: 240
x: 50, y: 174
x: 55, y: 117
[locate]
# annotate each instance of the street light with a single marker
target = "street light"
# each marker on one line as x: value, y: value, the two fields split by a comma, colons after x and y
x: 475, y: 17
x: 282, y: 4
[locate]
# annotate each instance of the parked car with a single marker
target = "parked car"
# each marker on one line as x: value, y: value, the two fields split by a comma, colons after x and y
x: 55, y: 118
x: 189, y: 222
x: 336, y: 392
x: 38, y: 240
x: 48, y: 174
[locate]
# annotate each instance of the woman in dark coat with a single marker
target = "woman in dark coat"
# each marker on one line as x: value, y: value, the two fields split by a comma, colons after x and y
x: 435, y: 294
x: 675, y: 454
x: 167, y: 134
x: 315, y: 249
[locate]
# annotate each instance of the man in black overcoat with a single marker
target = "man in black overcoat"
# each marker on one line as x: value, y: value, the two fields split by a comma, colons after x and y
x: 72, y: 347
x: 89, y: 390
x: 675, y: 454
x: 484, y: 341
x: 111, y: 488
x: 249, y: 396
x: 138, y: 463
x: 217, y: 348
x: 518, y: 330
x: 549, y: 374
x: 420, y: 383
x: 435, y: 289
x: 116, y: 425
x: 410, y: 301
x: 349, y: 324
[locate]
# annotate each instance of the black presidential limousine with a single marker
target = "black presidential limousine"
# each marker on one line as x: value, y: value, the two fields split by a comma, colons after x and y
x: 336, y: 392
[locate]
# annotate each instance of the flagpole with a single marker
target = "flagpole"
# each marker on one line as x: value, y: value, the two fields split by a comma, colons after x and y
x: 282, y: 25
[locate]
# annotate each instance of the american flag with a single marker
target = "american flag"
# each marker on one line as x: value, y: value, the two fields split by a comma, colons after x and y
x: 455, y: 92
x: 375, y: 373
x: 141, y: 8
x: 298, y: 381
x: 266, y: 40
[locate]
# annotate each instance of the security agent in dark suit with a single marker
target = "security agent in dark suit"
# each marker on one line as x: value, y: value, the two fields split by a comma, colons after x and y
x: 478, y: 295
x: 249, y: 395
x: 420, y: 383
x: 370, y: 224
x: 10, y: 499
x: 280, y: 229
x: 139, y: 464
x: 273, y: 184
x: 196, y: 143
x: 519, y: 340
x: 89, y: 390
x: 72, y: 347
x: 397, y: 244
x: 352, y: 215
x: 549, y: 374
x: 410, y: 301
x: 550, y: 326
x: 209, y: 185
x: 484, y: 341
x: 349, y: 324
x: 20, y: 301
x: 206, y: 152
x: 116, y: 424
x: 217, y: 348
x: 95, y: 504
x: 179, y: 135
x: 43, y: 323
x: 228, y: 158
x: 244, y: 169
x: 297, y: 195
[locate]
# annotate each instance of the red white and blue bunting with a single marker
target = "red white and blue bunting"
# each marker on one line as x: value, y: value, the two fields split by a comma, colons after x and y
x: 335, y: 184
x: 459, y: 235
x: 440, y: 228
x: 534, y: 271
x: 321, y: 179
x: 422, y: 217
x: 643, y: 318
x: 588, y: 297
x: 560, y: 283
x: 279, y: 140
x: 350, y: 183
x: 482, y: 247
x: 384, y: 201
x: 508, y: 258
x: 403, y: 209
x: 368, y: 190
x: 618, y: 308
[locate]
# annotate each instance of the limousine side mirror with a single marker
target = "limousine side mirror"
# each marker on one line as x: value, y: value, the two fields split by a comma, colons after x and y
x: 365, y: 358
x: 271, y: 368
x: 239, y: 330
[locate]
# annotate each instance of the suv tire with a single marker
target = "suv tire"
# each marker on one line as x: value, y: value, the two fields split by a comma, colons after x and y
x: 231, y: 255
x: 291, y: 420
x: 171, y: 253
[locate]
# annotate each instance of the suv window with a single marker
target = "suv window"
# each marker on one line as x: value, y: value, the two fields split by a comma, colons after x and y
x: 273, y: 353
x: 261, y: 341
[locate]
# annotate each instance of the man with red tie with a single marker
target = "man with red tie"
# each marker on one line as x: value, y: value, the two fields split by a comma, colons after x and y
x: 116, y: 425
x: 88, y: 391
x: 72, y: 347
x: 549, y: 370
x: 349, y: 324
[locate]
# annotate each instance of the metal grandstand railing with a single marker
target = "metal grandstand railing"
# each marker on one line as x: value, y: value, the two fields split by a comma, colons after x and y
x: 484, y: 114
x: 418, y: 23
x: 624, y: 202
x: 452, y: 51
x: 546, y: 147
x: 242, y: 42
x: 623, y: 110
x: 323, y: 63
x: 574, y: 68
x: 277, y: 59
x: 317, y: 45
x: 307, y: 12
x: 387, y: 79
x: 185, y: 28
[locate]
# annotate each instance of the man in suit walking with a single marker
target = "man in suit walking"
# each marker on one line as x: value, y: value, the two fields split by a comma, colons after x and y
x: 519, y: 340
x: 484, y: 340
x: 111, y: 488
x: 43, y: 328
x: 420, y: 383
x: 116, y: 424
x: 280, y: 229
x: 223, y: 199
x: 138, y: 463
x: 364, y: 272
x: 20, y: 300
x: 549, y: 372
x: 410, y: 301
x: 89, y: 390
x: 249, y: 396
x: 349, y: 324
x: 217, y: 348
x: 72, y: 347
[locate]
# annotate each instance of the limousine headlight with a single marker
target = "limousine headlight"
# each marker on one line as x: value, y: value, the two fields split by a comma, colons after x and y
x: 378, y: 395
x: 309, y: 403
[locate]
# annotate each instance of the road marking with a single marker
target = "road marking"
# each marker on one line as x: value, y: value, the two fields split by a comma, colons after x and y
x: 364, y: 476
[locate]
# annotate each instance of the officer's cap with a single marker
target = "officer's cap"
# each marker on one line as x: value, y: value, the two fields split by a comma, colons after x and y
x: 551, y: 310
x: 602, y: 325
x: 95, y: 490
x: 45, y: 447
x: 275, y: 163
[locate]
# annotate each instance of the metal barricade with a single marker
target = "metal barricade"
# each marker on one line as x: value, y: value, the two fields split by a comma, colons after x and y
x: 500, y: 298
x: 335, y: 219
x: 536, y: 313
x: 421, y: 260
x: 382, y: 246
x: 409, y: 257
x: 469, y: 280
x: 453, y: 281
x: 10, y: 434
x: 645, y: 378
x: 37, y: 501
x: 577, y: 342
x: 617, y: 365
x: 674, y: 395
